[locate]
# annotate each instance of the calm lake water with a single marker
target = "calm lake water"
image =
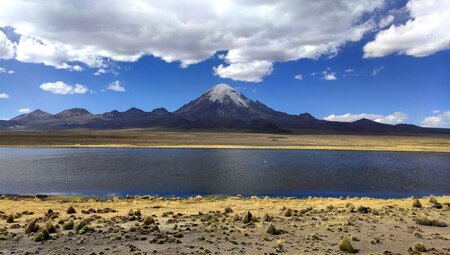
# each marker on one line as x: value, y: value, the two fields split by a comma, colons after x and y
x: 183, y: 172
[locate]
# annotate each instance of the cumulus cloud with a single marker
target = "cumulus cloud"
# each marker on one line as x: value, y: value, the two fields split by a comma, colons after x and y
x: 426, y: 32
x: 4, y: 70
x: 4, y: 96
x: 62, y: 88
x: 24, y: 110
x: 329, y: 76
x: 394, y: 118
x: 7, y: 47
x: 440, y: 120
x: 249, y: 71
x: 251, y: 33
x: 115, y: 86
x: 298, y: 77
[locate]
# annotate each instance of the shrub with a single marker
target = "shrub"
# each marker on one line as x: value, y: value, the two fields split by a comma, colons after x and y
x: 346, y: 245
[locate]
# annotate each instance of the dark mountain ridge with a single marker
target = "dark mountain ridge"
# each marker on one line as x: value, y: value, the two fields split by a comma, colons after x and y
x: 219, y: 108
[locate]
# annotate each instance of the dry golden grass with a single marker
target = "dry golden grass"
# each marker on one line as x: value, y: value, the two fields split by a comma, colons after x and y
x: 159, y: 139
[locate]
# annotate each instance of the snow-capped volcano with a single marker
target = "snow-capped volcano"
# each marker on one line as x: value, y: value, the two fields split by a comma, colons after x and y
x: 223, y: 102
x: 222, y: 92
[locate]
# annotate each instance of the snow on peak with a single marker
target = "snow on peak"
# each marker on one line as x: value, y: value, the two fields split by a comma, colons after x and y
x: 222, y: 90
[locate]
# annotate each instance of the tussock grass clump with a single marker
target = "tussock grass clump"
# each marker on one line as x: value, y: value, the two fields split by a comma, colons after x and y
x: 287, y: 212
x: 346, y: 245
x: 271, y: 230
x: 428, y: 222
x: 50, y: 227
x: 417, y: 203
x: 247, y: 217
x: 350, y: 207
x: 81, y: 224
x: 32, y: 227
x: 433, y: 200
x: 420, y: 247
x: 71, y: 210
x: 42, y: 235
x: 266, y: 217
x: 148, y: 220
x: 228, y: 210
x: 10, y: 219
x: 68, y: 225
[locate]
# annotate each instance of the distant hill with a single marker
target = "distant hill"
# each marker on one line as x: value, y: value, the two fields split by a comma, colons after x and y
x: 220, y: 108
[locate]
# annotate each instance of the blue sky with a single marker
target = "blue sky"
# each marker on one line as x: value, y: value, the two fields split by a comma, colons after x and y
x: 373, y: 68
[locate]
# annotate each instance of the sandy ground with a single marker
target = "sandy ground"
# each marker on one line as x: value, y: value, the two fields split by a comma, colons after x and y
x: 161, y: 139
x: 201, y: 225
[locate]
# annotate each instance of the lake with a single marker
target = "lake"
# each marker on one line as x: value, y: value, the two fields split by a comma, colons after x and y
x: 184, y: 172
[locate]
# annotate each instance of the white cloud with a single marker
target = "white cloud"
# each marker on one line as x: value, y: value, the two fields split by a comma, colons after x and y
x: 386, y: 21
x: 4, y: 70
x: 298, y: 77
x: 4, y: 96
x: 100, y: 71
x: 62, y: 88
x: 329, y: 76
x: 24, y: 110
x: 426, y: 32
x: 7, y: 47
x: 247, y: 71
x: 115, y: 86
x: 77, y: 68
x: 249, y: 32
x: 377, y: 70
x: 440, y: 120
x: 394, y: 118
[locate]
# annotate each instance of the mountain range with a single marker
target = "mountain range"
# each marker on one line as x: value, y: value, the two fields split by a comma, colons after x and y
x: 221, y: 108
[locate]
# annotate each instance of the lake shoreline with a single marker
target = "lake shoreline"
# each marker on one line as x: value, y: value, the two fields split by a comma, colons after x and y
x: 234, y: 147
x: 218, y: 140
x: 233, y: 224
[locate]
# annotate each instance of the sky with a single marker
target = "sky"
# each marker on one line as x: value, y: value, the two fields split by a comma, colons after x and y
x: 341, y: 60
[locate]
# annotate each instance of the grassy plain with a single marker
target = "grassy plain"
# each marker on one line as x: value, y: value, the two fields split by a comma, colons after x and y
x: 211, y: 225
x: 160, y: 139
